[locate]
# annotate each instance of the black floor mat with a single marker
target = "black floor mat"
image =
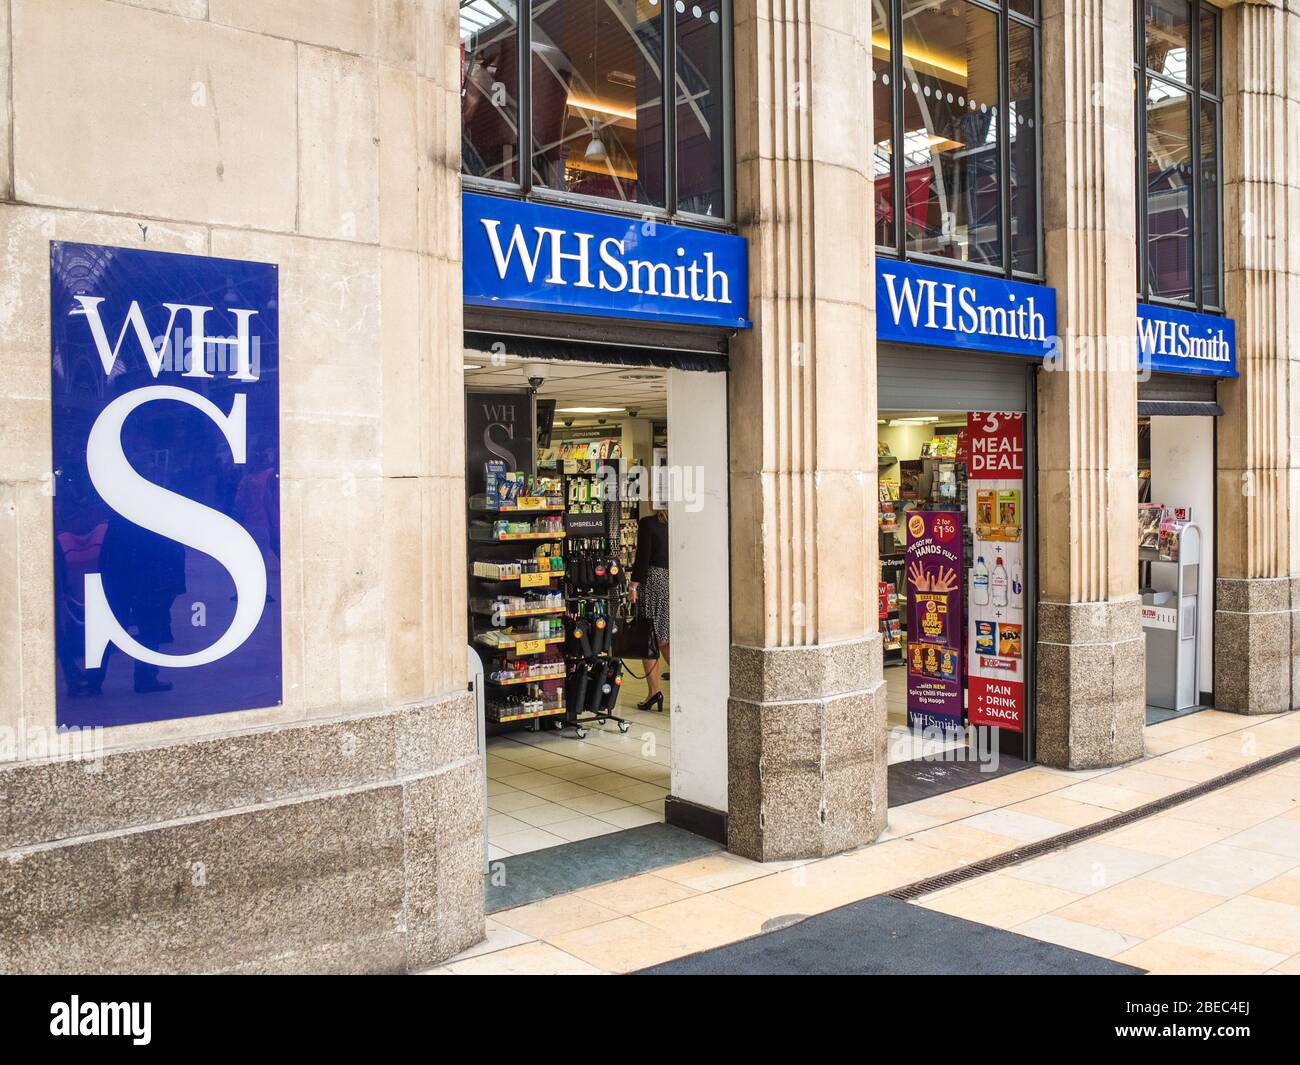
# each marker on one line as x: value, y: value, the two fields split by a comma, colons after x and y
x: 525, y: 878
x: 881, y: 937
x: 923, y: 777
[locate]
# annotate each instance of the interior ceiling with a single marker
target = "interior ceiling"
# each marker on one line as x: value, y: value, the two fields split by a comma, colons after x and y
x: 576, y: 384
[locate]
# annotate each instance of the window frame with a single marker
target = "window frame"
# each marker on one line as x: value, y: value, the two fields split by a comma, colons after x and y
x: 527, y: 189
x: 899, y: 250
x: 1197, y: 95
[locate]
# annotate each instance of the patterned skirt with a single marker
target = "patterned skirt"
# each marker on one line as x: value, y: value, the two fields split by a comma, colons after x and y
x: 652, y: 601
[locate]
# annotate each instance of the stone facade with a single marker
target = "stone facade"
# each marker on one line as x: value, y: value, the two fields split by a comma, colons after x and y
x: 806, y: 733
x: 323, y: 137
x: 1256, y: 624
x: 1090, y: 673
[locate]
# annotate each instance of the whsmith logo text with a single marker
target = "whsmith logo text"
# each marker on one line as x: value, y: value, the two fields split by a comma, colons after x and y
x: 925, y: 303
x: 577, y: 259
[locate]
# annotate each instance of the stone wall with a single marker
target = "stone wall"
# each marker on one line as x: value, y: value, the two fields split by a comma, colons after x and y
x: 323, y: 136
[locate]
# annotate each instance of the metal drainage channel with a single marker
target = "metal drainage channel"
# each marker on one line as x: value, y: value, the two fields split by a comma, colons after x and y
x: 909, y: 892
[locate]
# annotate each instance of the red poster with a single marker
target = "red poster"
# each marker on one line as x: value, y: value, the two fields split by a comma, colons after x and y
x: 995, y: 655
x: 997, y: 446
x: 996, y: 702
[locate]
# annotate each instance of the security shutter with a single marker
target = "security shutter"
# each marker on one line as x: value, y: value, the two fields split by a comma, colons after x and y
x: 933, y: 379
x: 1173, y: 393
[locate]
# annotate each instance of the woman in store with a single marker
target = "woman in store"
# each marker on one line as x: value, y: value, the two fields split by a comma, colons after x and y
x: 649, y: 591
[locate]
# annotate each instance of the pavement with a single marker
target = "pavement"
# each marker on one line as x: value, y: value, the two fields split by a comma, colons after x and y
x: 1211, y: 885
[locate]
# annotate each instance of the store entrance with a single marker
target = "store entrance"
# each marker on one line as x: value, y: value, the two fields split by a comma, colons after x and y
x: 1176, y: 552
x: 593, y: 538
x: 954, y: 583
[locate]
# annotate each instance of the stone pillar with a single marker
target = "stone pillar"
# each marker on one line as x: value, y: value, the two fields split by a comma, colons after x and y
x: 1090, y: 671
x: 806, y: 719
x: 1256, y: 626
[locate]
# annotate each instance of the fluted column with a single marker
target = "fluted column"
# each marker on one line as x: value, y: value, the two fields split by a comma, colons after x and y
x: 806, y: 721
x: 1090, y: 679
x: 1256, y: 634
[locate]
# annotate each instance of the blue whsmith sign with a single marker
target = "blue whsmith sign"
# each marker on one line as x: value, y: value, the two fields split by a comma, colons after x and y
x: 1177, y: 341
x: 947, y: 308
x: 531, y: 256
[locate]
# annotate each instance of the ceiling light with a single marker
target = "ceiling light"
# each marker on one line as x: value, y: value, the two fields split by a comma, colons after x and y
x: 595, y: 152
x: 590, y: 410
x: 602, y: 107
x: 472, y: 366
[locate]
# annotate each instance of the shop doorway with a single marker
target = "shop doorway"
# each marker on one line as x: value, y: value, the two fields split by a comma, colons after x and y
x: 1176, y: 553
x: 598, y: 585
x: 955, y: 584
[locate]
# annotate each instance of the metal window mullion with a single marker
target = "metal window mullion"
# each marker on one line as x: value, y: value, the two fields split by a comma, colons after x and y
x: 1004, y: 137
x: 1040, y: 265
x: 1194, y: 135
x: 1140, y: 146
x: 898, y: 163
x: 524, y: 72
x: 668, y: 97
x: 728, y: 114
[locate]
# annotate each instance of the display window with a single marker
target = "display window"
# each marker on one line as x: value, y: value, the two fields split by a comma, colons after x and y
x: 956, y: 132
x: 955, y: 578
x: 1179, y: 166
x: 613, y: 103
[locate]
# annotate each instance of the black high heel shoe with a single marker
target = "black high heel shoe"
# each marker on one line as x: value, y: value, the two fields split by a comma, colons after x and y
x: 655, y: 702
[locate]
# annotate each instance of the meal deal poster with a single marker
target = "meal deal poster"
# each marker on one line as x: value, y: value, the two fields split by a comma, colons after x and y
x: 995, y: 467
x: 934, y: 619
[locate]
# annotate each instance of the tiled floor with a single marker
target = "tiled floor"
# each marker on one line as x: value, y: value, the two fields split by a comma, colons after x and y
x: 1212, y: 885
x: 546, y: 788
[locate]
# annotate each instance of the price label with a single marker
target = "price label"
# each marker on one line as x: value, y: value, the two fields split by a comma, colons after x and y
x: 534, y: 580
x: 530, y: 647
x: 530, y: 503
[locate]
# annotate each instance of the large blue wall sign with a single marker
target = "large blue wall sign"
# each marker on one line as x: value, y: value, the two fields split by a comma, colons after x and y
x: 953, y: 309
x: 535, y: 257
x: 1175, y: 341
x: 165, y: 388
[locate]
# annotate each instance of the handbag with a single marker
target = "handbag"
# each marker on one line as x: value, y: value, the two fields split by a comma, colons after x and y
x: 635, y: 637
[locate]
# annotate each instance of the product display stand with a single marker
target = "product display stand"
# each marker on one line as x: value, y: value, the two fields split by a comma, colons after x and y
x: 516, y: 599
x: 1170, y: 617
x: 595, y: 583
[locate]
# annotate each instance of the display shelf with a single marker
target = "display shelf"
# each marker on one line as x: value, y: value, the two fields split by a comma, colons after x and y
x: 510, y: 614
x: 518, y: 578
x: 504, y: 538
x: 517, y: 641
x: 542, y: 508
x: 495, y: 715
x: 527, y: 680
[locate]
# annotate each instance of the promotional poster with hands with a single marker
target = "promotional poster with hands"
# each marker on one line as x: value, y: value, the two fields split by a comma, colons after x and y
x: 934, y: 619
x: 984, y: 620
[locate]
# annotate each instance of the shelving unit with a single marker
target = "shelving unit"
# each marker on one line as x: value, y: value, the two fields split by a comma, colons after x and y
x: 516, y: 606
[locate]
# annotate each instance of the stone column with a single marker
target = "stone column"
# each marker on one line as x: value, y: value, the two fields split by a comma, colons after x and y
x: 1090, y: 666
x: 1256, y: 632
x: 806, y: 719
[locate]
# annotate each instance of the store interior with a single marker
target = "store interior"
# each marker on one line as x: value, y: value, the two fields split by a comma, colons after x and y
x: 1176, y: 488
x: 576, y: 747
x: 922, y: 467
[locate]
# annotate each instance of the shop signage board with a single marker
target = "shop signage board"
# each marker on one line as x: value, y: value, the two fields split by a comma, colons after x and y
x: 1176, y: 341
x: 538, y: 257
x: 166, y: 452
x: 934, y: 619
x: 996, y: 595
x: 930, y: 305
